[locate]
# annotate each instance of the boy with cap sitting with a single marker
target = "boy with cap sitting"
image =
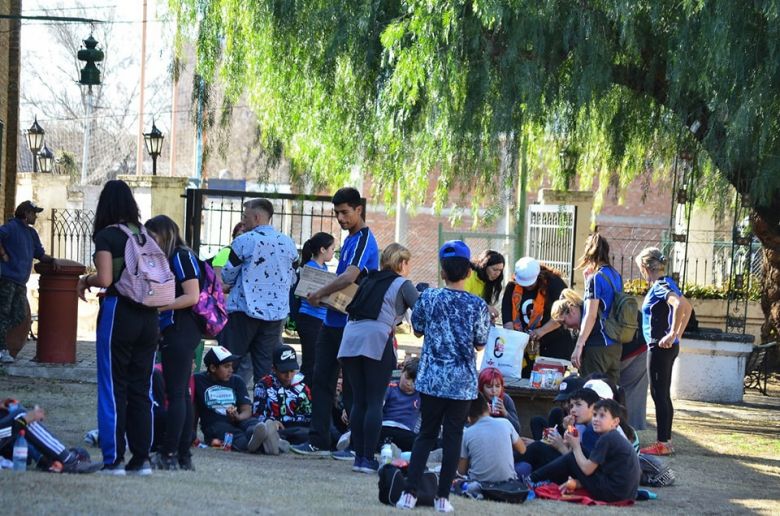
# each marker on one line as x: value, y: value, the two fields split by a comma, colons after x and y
x: 548, y: 433
x: 223, y: 404
x: 283, y: 402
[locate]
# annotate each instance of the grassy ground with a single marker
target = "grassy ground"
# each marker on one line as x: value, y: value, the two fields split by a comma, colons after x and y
x: 727, y: 461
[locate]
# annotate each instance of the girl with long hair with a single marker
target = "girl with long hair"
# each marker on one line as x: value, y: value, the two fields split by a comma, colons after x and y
x: 316, y: 252
x: 665, y: 314
x: 180, y: 336
x: 127, y: 334
x: 487, y: 278
x: 595, y: 351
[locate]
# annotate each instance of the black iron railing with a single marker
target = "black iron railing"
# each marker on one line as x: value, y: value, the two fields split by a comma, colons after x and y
x: 71, y: 235
x: 212, y: 214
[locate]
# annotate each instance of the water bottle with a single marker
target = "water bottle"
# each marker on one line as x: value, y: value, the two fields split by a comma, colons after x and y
x: 20, y: 452
x: 494, y: 406
x: 386, y: 454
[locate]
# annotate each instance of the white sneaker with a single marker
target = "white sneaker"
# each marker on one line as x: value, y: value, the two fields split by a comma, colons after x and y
x: 259, y: 433
x: 343, y: 443
x: 443, y: 505
x: 5, y: 357
x: 407, y: 501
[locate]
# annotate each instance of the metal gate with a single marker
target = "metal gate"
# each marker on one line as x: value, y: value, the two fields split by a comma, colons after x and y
x: 550, y: 237
x: 71, y: 235
x: 478, y: 242
x: 212, y: 214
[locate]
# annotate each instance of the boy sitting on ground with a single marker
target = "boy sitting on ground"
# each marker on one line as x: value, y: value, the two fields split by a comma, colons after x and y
x: 282, y: 403
x: 223, y: 404
x: 401, y: 412
x: 541, y: 455
x: 486, y: 452
x: 611, y: 472
x: 45, y: 450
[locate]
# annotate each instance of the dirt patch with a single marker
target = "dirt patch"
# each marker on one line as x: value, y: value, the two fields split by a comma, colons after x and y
x: 727, y: 461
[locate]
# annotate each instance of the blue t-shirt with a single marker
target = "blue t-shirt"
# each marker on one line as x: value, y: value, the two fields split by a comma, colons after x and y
x: 185, y: 267
x: 320, y: 311
x: 22, y: 244
x: 401, y: 408
x: 598, y: 287
x: 656, y: 312
x: 361, y: 251
x: 454, y: 322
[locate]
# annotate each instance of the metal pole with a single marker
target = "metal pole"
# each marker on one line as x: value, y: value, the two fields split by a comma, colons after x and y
x: 154, y: 164
x: 87, y: 136
x: 139, y: 165
x: 35, y: 161
x: 521, y: 200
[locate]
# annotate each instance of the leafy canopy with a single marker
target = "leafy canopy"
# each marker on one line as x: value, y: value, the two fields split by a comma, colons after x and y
x: 401, y: 88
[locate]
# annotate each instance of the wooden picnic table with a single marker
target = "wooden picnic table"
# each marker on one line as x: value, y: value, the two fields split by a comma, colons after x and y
x: 529, y: 401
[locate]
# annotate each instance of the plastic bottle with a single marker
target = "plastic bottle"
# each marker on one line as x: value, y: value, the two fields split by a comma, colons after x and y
x: 494, y: 405
x: 20, y: 452
x: 386, y: 454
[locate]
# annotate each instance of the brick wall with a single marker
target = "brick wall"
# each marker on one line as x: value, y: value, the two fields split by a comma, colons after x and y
x: 633, y: 221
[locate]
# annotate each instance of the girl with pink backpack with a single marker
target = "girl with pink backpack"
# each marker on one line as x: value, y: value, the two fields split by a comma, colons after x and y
x: 135, y: 282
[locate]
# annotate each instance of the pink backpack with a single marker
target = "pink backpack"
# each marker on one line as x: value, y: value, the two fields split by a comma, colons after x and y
x: 210, y: 310
x: 147, y: 278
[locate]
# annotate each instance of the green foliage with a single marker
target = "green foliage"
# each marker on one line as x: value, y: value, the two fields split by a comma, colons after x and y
x: 638, y: 287
x: 405, y: 89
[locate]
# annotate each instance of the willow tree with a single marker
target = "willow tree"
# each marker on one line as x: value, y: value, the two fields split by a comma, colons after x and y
x: 403, y: 87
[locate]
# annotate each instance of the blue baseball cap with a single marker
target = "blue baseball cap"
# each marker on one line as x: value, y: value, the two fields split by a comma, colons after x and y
x: 455, y: 249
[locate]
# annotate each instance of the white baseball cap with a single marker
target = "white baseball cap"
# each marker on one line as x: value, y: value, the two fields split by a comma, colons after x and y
x: 526, y: 271
x: 601, y: 387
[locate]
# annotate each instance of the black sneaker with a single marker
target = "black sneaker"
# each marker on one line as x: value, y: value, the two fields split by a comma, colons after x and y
x: 309, y: 450
x: 80, y: 466
x: 139, y: 468
x: 164, y: 462
x: 185, y: 463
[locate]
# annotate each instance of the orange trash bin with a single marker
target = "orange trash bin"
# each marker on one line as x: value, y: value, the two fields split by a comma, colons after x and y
x: 58, y: 311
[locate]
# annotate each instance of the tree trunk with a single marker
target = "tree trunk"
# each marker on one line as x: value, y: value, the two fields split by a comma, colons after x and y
x: 768, y: 231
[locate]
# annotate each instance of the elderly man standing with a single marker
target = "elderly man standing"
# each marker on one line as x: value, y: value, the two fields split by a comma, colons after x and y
x: 19, y: 244
x: 260, y: 273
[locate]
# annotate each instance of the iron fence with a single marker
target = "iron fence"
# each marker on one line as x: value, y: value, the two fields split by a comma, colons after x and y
x: 71, y: 235
x: 704, y: 259
x: 212, y: 215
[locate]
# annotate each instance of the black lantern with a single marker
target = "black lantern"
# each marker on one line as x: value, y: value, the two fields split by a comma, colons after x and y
x: 46, y: 159
x: 154, y: 140
x: 90, y: 75
x: 35, y: 141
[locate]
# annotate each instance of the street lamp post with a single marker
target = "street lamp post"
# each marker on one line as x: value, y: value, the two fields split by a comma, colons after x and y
x: 154, y: 140
x: 35, y: 141
x: 46, y: 159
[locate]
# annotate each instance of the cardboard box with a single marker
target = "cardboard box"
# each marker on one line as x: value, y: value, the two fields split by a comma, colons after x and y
x: 558, y: 364
x: 314, y: 279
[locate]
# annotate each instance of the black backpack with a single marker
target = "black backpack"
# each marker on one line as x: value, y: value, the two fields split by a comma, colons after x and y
x: 392, y: 480
x: 509, y: 491
x: 655, y: 473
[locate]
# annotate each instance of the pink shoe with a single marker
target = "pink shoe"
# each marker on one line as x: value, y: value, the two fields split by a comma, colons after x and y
x: 658, y: 448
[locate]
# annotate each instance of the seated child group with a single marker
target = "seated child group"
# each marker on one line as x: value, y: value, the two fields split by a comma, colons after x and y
x: 585, y: 442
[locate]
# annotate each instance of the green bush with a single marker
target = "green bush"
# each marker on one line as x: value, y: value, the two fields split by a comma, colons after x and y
x: 638, y: 287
